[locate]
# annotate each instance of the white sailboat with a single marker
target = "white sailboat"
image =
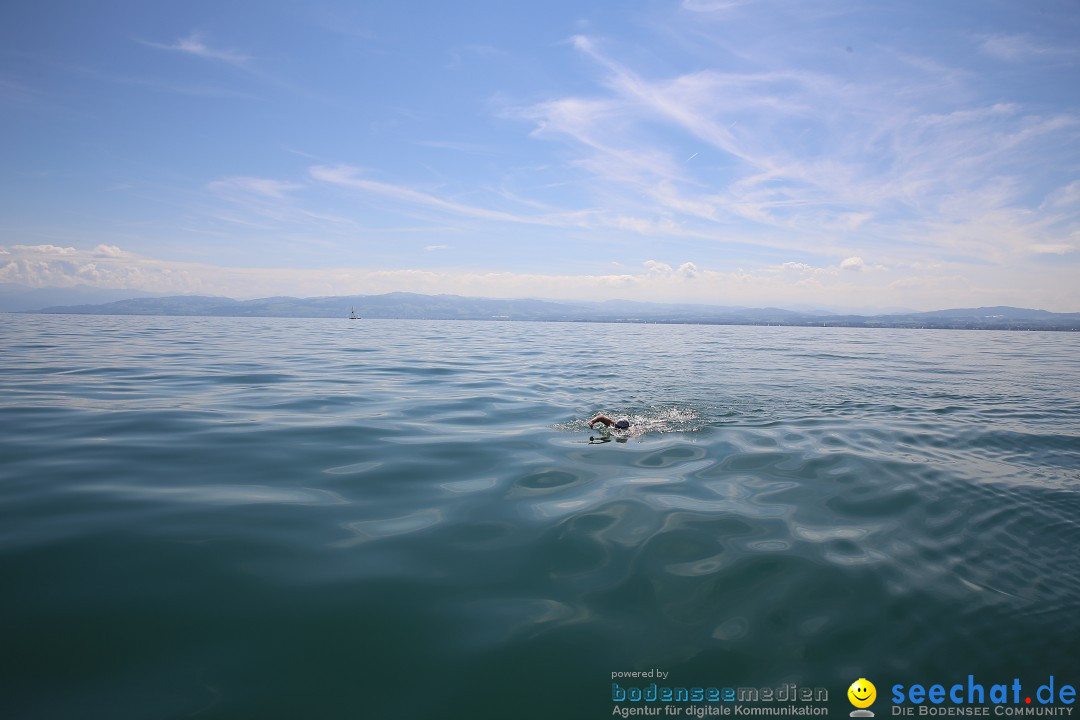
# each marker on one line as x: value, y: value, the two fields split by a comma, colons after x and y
x: 352, y: 314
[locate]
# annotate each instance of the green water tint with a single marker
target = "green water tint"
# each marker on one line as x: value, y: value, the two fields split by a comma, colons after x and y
x: 275, y: 519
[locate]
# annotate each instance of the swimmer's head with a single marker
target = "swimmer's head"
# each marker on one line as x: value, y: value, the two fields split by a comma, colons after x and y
x: 623, y: 424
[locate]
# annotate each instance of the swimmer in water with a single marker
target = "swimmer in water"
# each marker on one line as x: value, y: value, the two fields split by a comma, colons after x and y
x: 608, y: 422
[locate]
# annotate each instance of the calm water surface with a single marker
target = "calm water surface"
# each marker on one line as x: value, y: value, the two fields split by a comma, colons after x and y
x: 269, y: 518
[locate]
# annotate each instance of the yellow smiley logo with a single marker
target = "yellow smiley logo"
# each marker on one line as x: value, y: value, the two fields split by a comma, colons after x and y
x: 862, y: 693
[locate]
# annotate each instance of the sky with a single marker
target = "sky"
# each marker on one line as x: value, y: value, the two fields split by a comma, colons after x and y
x: 796, y: 153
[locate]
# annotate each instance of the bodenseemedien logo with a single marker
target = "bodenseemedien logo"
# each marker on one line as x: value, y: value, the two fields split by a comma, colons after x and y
x: 862, y: 694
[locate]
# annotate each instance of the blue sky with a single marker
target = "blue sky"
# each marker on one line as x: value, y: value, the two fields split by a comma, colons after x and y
x: 855, y: 155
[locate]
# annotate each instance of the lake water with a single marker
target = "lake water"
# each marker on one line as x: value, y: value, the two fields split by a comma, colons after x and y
x: 278, y: 518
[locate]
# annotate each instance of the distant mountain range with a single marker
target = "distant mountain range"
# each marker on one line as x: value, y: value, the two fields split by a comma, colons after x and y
x: 20, y: 298
x: 401, y: 305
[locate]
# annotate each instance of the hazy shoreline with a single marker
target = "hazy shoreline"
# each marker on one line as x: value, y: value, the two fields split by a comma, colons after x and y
x: 406, y: 306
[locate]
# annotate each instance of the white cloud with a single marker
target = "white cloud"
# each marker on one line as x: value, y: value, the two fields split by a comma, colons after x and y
x: 853, y: 263
x: 706, y: 6
x: 347, y: 176
x: 45, y: 249
x: 799, y: 271
x: 110, y: 251
x: 1021, y: 47
x: 268, y: 204
x: 193, y: 44
x: 1051, y: 248
x: 886, y: 166
x: 266, y: 187
x: 1064, y: 198
x: 688, y: 270
x: 685, y: 271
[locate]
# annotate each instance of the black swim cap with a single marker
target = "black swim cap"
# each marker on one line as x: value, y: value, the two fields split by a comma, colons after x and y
x: 622, y: 424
